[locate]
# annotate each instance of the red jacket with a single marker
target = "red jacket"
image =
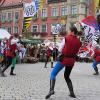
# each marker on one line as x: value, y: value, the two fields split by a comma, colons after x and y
x: 70, y: 49
x: 49, y: 52
x: 97, y: 55
x: 10, y: 50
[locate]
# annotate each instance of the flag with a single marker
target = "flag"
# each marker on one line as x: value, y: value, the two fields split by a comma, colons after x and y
x: 37, y: 4
x: 30, y: 9
x: 91, y: 29
x: 26, y: 23
x: 56, y: 29
x: 91, y: 34
x: 42, y: 3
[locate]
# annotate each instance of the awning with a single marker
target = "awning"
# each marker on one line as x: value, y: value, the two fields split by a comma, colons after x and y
x: 34, y: 41
x: 4, y: 34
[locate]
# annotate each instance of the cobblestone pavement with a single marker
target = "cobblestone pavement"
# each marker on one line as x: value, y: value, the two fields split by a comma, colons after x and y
x: 32, y: 83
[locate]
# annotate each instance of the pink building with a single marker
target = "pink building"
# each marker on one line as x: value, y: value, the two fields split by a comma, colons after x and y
x: 65, y: 12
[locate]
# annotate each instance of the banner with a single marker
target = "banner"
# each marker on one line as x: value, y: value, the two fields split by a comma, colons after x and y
x: 40, y: 3
x: 91, y: 29
x: 30, y: 9
x: 26, y: 23
x: 91, y: 34
x: 56, y: 29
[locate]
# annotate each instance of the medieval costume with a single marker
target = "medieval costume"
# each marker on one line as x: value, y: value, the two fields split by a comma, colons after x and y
x: 69, y: 50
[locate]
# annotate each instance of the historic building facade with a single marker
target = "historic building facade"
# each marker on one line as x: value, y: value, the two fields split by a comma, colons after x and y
x: 65, y: 12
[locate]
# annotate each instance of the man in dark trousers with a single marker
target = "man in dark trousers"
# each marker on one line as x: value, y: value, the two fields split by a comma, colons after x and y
x: 69, y: 50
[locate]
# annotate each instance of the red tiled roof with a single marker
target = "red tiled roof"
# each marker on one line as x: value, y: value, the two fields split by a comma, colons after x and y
x: 14, y: 2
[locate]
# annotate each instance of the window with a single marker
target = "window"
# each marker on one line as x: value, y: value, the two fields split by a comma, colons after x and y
x: 35, y: 28
x: 9, y: 29
x: 63, y: 10
x: 36, y: 15
x: 44, y: 13
x: 44, y: 28
x: 3, y: 17
x: 16, y: 29
x: 75, y: 1
x: 9, y: 16
x: 74, y: 9
x: 54, y: 12
x: 3, y: 27
x: 16, y: 15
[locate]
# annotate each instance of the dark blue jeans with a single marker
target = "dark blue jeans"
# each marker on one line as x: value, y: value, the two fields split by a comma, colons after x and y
x: 95, y: 63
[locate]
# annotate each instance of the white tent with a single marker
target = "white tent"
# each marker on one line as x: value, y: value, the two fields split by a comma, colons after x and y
x: 4, y: 34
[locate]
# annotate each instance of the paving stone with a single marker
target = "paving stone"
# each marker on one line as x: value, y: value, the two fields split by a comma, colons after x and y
x: 32, y: 83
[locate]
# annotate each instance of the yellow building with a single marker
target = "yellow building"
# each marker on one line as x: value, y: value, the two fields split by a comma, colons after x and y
x: 96, y: 7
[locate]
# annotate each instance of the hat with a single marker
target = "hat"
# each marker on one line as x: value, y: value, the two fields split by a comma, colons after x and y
x: 14, y: 41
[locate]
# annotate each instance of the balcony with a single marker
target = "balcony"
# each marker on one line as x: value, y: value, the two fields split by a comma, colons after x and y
x: 44, y: 18
x: 64, y: 17
x: 16, y: 20
x: 43, y: 34
x: 55, y: 17
x: 35, y: 18
x: 9, y: 20
x: 74, y: 16
x: 55, y: 1
x: 35, y: 33
x: 3, y: 21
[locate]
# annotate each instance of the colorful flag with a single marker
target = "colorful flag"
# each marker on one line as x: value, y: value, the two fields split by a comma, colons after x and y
x: 91, y: 34
x: 30, y: 9
x: 26, y: 23
x: 91, y: 29
x: 42, y: 2
x: 56, y: 29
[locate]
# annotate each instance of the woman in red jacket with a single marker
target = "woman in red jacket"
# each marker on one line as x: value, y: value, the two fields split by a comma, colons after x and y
x: 69, y: 51
x: 96, y: 60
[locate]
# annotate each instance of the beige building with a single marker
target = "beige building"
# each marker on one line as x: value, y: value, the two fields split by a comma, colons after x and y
x: 78, y: 10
